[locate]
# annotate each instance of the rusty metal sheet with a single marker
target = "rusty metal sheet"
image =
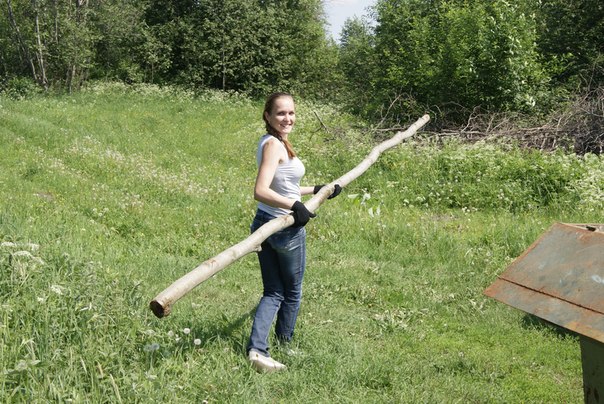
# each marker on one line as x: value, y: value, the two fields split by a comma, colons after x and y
x: 559, y: 278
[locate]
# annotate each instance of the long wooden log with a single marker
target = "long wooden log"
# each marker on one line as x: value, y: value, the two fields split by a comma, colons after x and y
x: 162, y: 303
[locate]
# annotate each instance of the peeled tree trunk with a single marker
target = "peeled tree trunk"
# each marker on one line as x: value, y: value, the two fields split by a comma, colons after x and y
x: 162, y: 303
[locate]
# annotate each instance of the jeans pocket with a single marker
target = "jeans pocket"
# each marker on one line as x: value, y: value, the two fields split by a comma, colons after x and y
x: 288, y: 239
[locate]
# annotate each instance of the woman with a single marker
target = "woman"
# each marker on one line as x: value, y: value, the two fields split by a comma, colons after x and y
x: 283, y: 255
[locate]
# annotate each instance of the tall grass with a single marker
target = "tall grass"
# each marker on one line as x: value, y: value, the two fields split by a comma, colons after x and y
x: 108, y: 196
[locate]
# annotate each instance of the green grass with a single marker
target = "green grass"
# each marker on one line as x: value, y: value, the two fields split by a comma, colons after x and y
x: 108, y: 196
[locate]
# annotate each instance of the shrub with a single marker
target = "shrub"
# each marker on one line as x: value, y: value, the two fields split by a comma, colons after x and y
x: 19, y: 88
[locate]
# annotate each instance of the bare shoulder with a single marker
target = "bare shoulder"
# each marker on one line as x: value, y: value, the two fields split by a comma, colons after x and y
x: 274, y: 149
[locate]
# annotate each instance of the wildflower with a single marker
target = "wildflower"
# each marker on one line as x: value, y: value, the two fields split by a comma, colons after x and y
x: 197, y: 341
x: 21, y: 366
x: 23, y: 254
x: 32, y: 246
x: 57, y: 289
x: 25, y: 364
x: 186, y: 331
x: 170, y: 333
x: 28, y: 255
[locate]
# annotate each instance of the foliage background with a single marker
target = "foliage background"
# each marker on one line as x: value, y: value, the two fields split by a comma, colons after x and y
x: 403, y: 58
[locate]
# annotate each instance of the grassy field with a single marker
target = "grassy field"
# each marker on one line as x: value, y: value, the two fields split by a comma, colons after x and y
x: 108, y: 196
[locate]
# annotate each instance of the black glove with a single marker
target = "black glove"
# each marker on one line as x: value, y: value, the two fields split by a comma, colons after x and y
x: 336, y: 190
x: 301, y: 214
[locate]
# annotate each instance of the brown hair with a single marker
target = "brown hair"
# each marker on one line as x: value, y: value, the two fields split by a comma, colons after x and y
x: 268, y: 108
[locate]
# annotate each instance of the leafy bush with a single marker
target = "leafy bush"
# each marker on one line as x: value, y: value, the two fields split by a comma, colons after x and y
x: 586, y: 122
x: 19, y: 88
x: 489, y: 176
x: 465, y: 53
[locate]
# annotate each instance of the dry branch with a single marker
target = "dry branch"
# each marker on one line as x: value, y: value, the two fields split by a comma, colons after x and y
x: 162, y: 303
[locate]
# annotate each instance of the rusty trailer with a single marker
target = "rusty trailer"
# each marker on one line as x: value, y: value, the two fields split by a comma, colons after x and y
x: 560, y: 279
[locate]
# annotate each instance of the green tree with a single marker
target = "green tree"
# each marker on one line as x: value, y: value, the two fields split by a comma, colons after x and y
x: 358, y: 64
x: 124, y: 47
x: 570, y: 38
x: 62, y: 44
x: 469, y: 53
x: 252, y: 46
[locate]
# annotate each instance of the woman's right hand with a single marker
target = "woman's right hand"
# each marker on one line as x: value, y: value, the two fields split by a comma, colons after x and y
x: 301, y: 214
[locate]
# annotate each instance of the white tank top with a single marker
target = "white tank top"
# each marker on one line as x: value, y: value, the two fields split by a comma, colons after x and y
x: 286, y: 181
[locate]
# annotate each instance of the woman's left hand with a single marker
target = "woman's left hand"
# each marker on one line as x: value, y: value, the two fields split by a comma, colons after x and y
x: 336, y: 190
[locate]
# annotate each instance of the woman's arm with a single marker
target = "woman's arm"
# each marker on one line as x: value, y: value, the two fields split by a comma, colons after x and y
x: 307, y: 190
x: 272, y: 155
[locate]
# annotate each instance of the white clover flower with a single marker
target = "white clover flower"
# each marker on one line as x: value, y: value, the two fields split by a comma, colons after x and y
x: 23, y: 253
x: 186, y: 331
x: 197, y: 341
x: 32, y: 246
x: 170, y: 333
x: 58, y: 289
x: 21, y: 366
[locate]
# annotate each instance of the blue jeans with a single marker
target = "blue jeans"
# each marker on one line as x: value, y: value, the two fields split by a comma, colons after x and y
x: 282, y: 263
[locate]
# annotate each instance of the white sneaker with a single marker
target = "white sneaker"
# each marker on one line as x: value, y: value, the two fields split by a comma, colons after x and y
x: 264, y: 363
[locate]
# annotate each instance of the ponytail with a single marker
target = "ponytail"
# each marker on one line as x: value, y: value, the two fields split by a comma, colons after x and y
x: 288, y: 146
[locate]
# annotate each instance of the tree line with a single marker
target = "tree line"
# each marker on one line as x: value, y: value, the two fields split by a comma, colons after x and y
x: 405, y: 56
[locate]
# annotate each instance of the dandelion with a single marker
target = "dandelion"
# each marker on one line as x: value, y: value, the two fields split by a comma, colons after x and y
x: 197, y: 341
x: 186, y: 331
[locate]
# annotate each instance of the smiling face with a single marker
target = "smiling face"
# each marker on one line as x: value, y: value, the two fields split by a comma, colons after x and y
x: 281, y: 116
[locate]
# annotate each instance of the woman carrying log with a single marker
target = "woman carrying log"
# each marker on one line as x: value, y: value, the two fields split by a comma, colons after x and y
x: 283, y: 255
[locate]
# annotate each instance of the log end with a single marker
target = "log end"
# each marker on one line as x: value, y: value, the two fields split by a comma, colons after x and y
x: 158, y: 309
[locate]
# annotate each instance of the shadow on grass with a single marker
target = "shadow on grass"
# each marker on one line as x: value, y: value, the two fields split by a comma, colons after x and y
x: 222, y: 329
x: 530, y: 321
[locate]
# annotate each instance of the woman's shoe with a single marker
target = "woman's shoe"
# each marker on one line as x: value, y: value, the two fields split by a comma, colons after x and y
x: 264, y: 363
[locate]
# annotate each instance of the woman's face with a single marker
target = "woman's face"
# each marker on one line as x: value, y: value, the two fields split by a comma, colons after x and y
x: 282, y: 116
